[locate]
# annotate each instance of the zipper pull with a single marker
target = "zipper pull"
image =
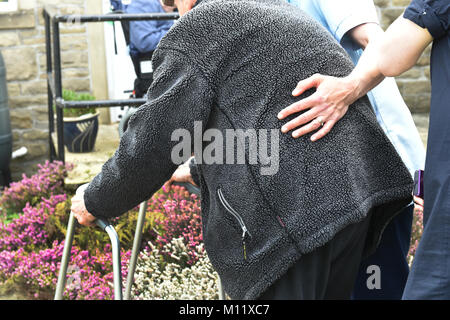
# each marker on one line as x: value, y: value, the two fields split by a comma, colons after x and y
x: 243, y: 244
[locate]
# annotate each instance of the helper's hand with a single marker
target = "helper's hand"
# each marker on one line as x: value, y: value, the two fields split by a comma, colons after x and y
x: 418, y: 205
x: 182, y: 174
x: 80, y: 211
x: 326, y: 106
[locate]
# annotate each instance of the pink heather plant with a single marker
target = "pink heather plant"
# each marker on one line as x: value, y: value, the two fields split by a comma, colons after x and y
x: 47, y: 181
x: 27, y: 231
x: 89, y: 277
x: 31, y: 244
x: 182, y: 218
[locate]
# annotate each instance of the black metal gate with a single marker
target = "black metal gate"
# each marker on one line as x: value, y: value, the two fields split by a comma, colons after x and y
x: 54, y: 78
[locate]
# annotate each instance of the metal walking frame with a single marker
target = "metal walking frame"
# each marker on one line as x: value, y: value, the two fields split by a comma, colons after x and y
x: 115, y: 245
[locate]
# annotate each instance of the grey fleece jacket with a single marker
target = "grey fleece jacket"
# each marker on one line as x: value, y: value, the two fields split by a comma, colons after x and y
x: 232, y: 64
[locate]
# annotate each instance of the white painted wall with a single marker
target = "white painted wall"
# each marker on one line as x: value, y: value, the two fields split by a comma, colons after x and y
x: 120, y: 70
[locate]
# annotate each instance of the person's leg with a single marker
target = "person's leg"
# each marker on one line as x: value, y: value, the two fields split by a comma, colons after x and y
x: 429, y: 278
x: 390, y: 258
x: 326, y: 273
x: 347, y: 249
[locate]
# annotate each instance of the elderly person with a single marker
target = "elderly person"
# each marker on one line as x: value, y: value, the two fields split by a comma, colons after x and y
x: 298, y: 232
x: 354, y: 24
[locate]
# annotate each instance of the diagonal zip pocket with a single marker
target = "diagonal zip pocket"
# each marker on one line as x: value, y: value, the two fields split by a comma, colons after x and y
x: 245, y: 233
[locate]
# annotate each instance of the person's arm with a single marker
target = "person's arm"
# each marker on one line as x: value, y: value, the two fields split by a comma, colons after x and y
x: 387, y: 54
x: 179, y: 95
x: 145, y: 35
x: 333, y: 95
x: 183, y: 174
x: 401, y: 47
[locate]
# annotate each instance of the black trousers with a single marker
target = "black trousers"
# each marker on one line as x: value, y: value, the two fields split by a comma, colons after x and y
x: 329, y: 272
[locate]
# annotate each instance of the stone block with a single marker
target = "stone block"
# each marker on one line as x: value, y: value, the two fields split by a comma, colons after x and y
x: 77, y: 85
x: 412, y: 73
x: 72, y: 28
x: 18, y: 20
x: 13, y: 89
x: 27, y: 101
x: 34, y: 134
x: 20, y: 63
x: 73, y: 42
x: 423, y: 103
x: 418, y: 87
x: 74, y: 59
x: 426, y: 72
x: 20, y: 119
x: 75, y: 73
x: 36, y: 149
x: 27, y: 4
x: 34, y: 87
x: 401, y: 3
x: 40, y: 113
x: 32, y: 41
x: 8, y: 39
x: 418, y: 103
x: 389, y: 15
x: 381, y: 3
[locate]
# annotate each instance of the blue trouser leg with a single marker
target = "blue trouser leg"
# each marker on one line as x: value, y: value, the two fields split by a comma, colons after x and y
x: 390, y: 257
x: 429, y: 278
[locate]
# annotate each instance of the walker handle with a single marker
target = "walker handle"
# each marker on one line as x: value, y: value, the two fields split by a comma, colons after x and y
x: 115, y: 245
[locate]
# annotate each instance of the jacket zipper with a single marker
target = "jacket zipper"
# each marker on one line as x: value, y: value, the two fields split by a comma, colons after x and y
x: 238, y: 217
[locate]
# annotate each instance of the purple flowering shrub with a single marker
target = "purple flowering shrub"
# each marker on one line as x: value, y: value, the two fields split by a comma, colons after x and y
x: 182, y: 218
x: 32, y: 242
x: 48, y: 180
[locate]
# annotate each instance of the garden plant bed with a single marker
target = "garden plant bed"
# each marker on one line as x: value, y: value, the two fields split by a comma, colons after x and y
x: 34, y: 212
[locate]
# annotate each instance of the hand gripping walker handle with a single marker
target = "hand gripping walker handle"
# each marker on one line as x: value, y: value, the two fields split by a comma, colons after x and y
x: 189, y: 187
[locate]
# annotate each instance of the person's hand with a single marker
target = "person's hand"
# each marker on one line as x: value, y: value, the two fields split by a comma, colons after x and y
x: 326, y: 106
x: 182, y: 174
x: 418, y: 205
x: 80, y: 212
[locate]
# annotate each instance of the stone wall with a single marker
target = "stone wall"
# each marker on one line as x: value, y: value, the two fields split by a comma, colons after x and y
x: 414, y: 84
x: 23, y: 47
x: 22, y: 43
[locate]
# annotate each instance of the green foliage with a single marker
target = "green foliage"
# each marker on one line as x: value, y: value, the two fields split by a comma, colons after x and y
x: 93, y: 238
x: 69, y: 95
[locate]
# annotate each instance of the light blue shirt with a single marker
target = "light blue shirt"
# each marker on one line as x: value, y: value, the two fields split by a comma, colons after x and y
x: 338, y: 17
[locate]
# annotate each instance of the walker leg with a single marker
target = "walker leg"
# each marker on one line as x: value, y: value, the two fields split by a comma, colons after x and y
x: 136, y: 247
x: 117, y: 267
x: 60, y: 285
x: 221, y: 291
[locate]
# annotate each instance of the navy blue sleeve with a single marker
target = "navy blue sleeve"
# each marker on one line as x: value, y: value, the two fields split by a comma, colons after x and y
x: 145, y: 35
x: 431, y: 14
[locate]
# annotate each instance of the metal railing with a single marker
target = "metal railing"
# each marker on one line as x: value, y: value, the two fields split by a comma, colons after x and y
x: 54, y: 75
